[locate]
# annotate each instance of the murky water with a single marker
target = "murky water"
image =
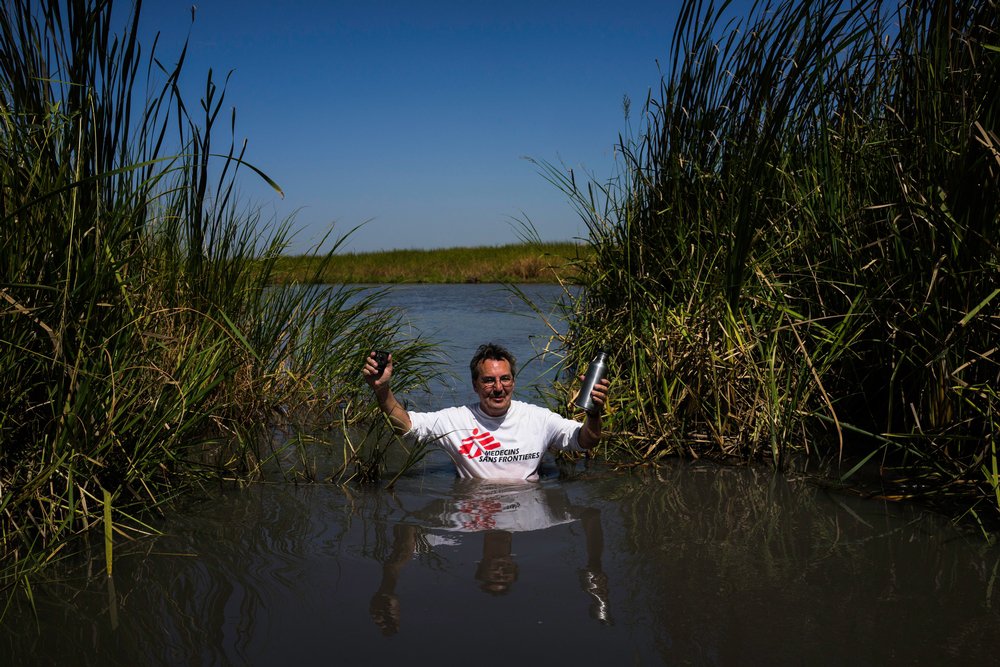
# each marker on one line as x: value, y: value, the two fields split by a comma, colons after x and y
x: 692, y: 564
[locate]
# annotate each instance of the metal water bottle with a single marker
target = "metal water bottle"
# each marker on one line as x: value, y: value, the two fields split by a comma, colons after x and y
x: 596, y: 372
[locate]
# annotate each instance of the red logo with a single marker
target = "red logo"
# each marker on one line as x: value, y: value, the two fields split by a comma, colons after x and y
x: 478, y: 443
x: 479, y: 514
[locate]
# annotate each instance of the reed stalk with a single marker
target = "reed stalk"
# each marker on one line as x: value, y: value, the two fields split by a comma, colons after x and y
x: 800, y: 249
x: 143, y: 347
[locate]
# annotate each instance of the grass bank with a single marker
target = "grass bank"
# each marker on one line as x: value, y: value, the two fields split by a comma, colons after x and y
x: 513, y: 263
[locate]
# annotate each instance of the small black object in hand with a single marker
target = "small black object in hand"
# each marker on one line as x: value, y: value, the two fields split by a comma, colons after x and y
x: 382, y: 359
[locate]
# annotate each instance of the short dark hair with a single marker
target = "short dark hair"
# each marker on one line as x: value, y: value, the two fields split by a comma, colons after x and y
x: 494, y: 352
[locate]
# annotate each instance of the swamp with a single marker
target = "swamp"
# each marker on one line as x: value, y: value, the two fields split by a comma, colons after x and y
x: 687, y: 563
x: 796, y: 271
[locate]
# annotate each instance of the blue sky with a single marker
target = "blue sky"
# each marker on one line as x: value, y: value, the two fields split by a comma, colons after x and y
x: 415, y: 118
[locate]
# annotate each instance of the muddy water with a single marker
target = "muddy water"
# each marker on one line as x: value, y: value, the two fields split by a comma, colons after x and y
x: 692, y: 564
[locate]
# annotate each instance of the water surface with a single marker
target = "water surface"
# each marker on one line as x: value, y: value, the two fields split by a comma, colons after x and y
x: 688, y: 564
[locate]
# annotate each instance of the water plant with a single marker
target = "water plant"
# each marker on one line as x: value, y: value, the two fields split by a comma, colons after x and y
x: 800, y: 251
x: 143, y: 346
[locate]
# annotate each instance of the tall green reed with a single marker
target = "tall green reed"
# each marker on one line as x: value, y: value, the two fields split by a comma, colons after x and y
x: 800, y: 249
x: 142, y: 346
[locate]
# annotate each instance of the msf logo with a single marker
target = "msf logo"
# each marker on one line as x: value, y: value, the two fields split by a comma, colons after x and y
x: 478, y: 444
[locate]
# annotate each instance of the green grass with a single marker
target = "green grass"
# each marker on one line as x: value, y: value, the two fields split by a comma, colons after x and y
x: 516, y: 263
x: 143, y: 347
x: 801, y: 252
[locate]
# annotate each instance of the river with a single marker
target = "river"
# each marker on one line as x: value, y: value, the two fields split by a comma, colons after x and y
x: 690, y: 563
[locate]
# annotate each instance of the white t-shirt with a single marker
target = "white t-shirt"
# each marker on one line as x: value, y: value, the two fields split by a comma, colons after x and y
x: 507, y: 447
x: 514, y: 506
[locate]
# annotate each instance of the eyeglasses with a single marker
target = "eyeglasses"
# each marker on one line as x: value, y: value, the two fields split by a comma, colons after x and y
x: 490, y: 382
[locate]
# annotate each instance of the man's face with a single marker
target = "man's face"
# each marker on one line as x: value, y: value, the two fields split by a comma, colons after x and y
x: 495, y: 386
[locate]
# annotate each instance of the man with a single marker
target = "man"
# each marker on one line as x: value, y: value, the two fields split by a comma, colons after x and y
x: 498, y: 437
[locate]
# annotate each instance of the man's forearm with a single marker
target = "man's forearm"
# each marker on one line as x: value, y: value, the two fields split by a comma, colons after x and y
x: 398, y: 416
x: 590, y: 432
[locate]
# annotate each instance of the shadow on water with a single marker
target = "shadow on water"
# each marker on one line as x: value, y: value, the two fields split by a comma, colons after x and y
x: 692, y: 565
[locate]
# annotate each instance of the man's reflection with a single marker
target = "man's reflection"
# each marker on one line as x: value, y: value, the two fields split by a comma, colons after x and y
x: 497, y: 571
x: 384, y: 606
x: 497, y: 510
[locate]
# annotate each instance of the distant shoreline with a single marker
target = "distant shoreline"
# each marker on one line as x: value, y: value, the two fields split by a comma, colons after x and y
x: 514, y: 263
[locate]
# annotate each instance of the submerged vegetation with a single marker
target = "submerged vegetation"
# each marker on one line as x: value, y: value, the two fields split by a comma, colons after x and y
x: 142, y: 347
x: 513, y: 263
x: 801, y: 250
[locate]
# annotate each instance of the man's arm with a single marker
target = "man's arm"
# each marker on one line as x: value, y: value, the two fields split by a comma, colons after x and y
x: 590, y: 432
x: 387, y: 403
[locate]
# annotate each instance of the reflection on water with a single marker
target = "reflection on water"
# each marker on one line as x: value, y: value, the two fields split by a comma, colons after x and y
x: 696, y: 564
x: 692, y: 564
x: 494, y: 512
